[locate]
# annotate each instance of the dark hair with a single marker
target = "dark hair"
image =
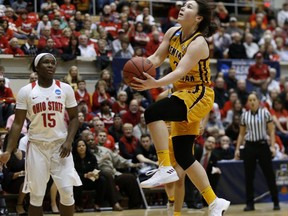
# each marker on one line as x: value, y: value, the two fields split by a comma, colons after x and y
x: 75, y: 146
x: 206, y: 26
x: 32, y: 65
x: 145, y: 135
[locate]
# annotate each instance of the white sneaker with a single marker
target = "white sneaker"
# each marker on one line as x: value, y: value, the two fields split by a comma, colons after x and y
x: 218, y: 207
x: 162, y: 175
x: 170, y: 208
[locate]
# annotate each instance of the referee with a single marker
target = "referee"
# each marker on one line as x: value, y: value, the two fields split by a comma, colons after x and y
x: 256, y: 124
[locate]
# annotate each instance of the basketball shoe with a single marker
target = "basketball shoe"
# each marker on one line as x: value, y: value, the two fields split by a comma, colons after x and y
x: 162, y: 175
x: 218, y: 207
x: 170, y: 208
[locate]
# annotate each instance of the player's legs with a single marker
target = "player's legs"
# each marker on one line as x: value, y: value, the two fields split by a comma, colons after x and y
x: 167, y: 109
x: 66, y: 201
x: 183, y: 153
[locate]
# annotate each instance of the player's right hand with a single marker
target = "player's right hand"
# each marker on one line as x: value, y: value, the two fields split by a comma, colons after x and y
x: 4, y: 157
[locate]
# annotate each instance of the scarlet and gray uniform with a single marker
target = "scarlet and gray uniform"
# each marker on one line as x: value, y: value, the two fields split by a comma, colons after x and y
x: 47, y: 132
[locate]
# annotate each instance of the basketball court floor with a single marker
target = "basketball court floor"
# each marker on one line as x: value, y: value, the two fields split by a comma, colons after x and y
x: 262, y: 209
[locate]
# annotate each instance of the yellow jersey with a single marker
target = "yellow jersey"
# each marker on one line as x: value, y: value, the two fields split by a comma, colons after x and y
x: 200, y: 74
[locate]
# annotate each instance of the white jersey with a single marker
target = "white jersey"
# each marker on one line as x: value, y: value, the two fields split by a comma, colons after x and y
x: 45, y: 109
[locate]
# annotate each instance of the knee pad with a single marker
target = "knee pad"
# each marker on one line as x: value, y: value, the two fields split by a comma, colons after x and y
x: 66, y: 196
x: 36, y: 200
x: 183, y: 150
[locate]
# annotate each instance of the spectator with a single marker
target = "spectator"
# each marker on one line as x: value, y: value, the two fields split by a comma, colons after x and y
x: 83, y: 107
x: 72, y: 26
x: 79, y: 20
x: 145, y: 13
x: 172, y: 16
x: 105, y: 114
x: 107, y: 76
x: 32, y: 77
x: 117, y: 43
x: 83, y: 125
x: 116, y: 130
x: 100, y: 94
x: 46, y: 34
x: 6, y: 102
x: 14, y: 173
x: 140, y: 39
x: 124, y: 52
x: 68, y: 9
x: 141, y: 128
x: 4, y: 44
x: 233, y: 129
x: 230, y: 79
x: 85, y: 49
x: 108, y: 163
x: 87, y: 168
x: 258, y: 73
x: 14, y: 48
x: 24, y: 25
x: 73, y: 77
x: 43, y: 22
x: 221, y: 41
x: 146, y: 152
x: 214, y: 125
x: 109, y: 26
x: 19, y: 4
x: 82, y: 5
x: 120, y: 105
x: 50, y: 48
x: 251, y: 47
x: 236, y: 49
x: 128, y: 143
x: 91, y: 33
x: 104, y: 56
x: 280, y: 118
x: 72, y: 50
x: 242, y: 91
x: 233, y: 96
x: 221, y: 95
x: 153, y: 43
x: 99, y: 126
x: 8, y: 32
x: 10, y: 121
x: 273, y: 84
x: 282, y: 15
x: 81, y: 94
x: 2, y: 73
x: 222, y: 14
x: 133, y: 114
x: 236, y: 109
x: 226, y: 149
x: 233, y: 27
x: 30, y: 48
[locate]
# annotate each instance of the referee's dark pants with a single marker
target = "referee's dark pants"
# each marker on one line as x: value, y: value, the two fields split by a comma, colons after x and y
x: 258, y: 151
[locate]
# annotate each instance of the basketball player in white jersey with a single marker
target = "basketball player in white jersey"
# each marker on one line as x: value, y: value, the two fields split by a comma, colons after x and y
x: 49, y: 150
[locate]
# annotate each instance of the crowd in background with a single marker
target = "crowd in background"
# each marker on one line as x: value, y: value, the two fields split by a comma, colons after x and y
x: 112, y: 127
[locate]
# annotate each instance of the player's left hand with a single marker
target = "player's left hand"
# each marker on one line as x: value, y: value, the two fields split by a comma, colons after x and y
x: 141, y: 85
x: 65, y: 149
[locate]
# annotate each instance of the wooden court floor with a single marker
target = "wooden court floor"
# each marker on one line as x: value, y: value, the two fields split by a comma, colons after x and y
x: 262, y: 209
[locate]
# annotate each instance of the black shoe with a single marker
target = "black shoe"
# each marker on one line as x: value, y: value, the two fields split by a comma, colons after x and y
x: 276, y: 207
x: 249, y: 208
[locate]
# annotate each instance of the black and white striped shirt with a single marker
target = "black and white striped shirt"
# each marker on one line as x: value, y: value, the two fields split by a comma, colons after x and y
x: 256, y: 124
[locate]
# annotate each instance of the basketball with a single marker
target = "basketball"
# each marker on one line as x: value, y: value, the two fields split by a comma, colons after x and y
x: 135, y: 68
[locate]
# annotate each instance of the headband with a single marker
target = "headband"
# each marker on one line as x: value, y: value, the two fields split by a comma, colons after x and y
x: 38, y: 58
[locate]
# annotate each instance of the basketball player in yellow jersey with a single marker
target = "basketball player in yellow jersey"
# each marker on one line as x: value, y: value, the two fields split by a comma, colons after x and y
x: 191, y: 100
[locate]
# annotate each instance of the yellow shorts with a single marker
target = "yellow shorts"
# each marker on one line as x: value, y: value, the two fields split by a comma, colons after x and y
x: 199, y: 102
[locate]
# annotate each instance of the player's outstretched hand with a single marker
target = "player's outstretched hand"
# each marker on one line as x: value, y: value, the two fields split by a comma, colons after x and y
x: 65, y: 149
x: 141, y: 85
x: 4, y: 157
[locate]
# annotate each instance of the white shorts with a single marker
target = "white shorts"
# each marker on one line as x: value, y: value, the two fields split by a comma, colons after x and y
x: 42, y: 160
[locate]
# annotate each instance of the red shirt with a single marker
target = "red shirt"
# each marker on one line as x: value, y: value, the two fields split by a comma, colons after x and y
x: 34, y: 18
x: 97, y: 99
x: 110, y: 27
x: 25, y: 25
x: 86, y: 97
x: 282, y: 117
x: 259, y: 72
x: 3, y: 42
x: 14, y: 51
x: 7, y: 95
x: 133, y: 118
x: 69, y: 10
x: 116, y: 108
